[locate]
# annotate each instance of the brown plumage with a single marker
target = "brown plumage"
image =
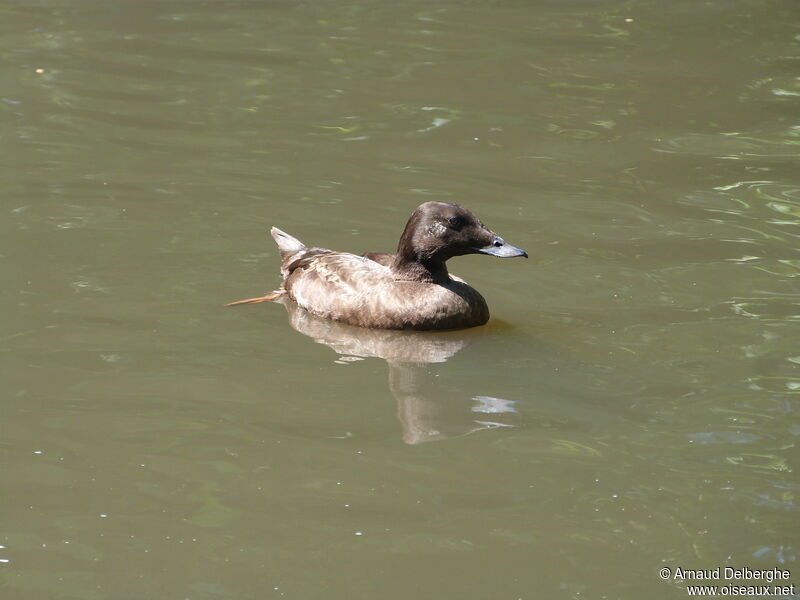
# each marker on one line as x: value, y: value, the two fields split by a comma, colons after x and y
x: 407, y: 290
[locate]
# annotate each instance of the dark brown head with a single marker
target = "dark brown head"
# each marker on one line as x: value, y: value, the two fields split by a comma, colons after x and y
x: 438, y: 231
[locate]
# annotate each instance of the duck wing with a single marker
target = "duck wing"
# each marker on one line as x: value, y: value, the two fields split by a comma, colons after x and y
x: 336, y: 273
x: 337, y: 285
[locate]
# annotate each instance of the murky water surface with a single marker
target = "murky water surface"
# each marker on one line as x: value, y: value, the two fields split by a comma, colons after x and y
x: 632, y: 405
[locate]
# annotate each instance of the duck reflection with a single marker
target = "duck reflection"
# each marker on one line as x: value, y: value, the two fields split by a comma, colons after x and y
x: 424, y: 410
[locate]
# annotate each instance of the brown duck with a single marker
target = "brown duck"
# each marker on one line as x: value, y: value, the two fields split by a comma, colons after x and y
x: 407, y: 290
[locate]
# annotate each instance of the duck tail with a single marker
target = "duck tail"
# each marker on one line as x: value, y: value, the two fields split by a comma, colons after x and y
x: 287, y: 245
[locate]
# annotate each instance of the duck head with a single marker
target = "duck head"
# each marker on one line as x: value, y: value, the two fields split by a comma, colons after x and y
x: 438, y: 231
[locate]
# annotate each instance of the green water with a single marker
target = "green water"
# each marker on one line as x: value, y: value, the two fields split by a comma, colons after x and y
x: 632, y: 405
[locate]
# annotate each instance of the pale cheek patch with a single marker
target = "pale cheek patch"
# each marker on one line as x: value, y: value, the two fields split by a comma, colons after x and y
x: 437, y: 229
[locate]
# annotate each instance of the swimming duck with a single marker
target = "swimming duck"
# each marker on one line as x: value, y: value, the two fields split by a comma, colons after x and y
x: 410, y: 289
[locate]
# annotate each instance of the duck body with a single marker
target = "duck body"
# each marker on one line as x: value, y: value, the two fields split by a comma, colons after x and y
x: 410, y: 289
x: 360, y: 291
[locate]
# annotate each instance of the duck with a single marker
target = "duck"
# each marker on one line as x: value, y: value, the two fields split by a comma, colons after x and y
x: 410, y: 289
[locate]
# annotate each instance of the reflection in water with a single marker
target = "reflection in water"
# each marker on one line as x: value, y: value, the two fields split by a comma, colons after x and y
x: 424, y: 414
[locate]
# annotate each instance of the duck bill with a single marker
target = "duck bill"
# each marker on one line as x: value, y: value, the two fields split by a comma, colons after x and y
x: 498, y: 247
